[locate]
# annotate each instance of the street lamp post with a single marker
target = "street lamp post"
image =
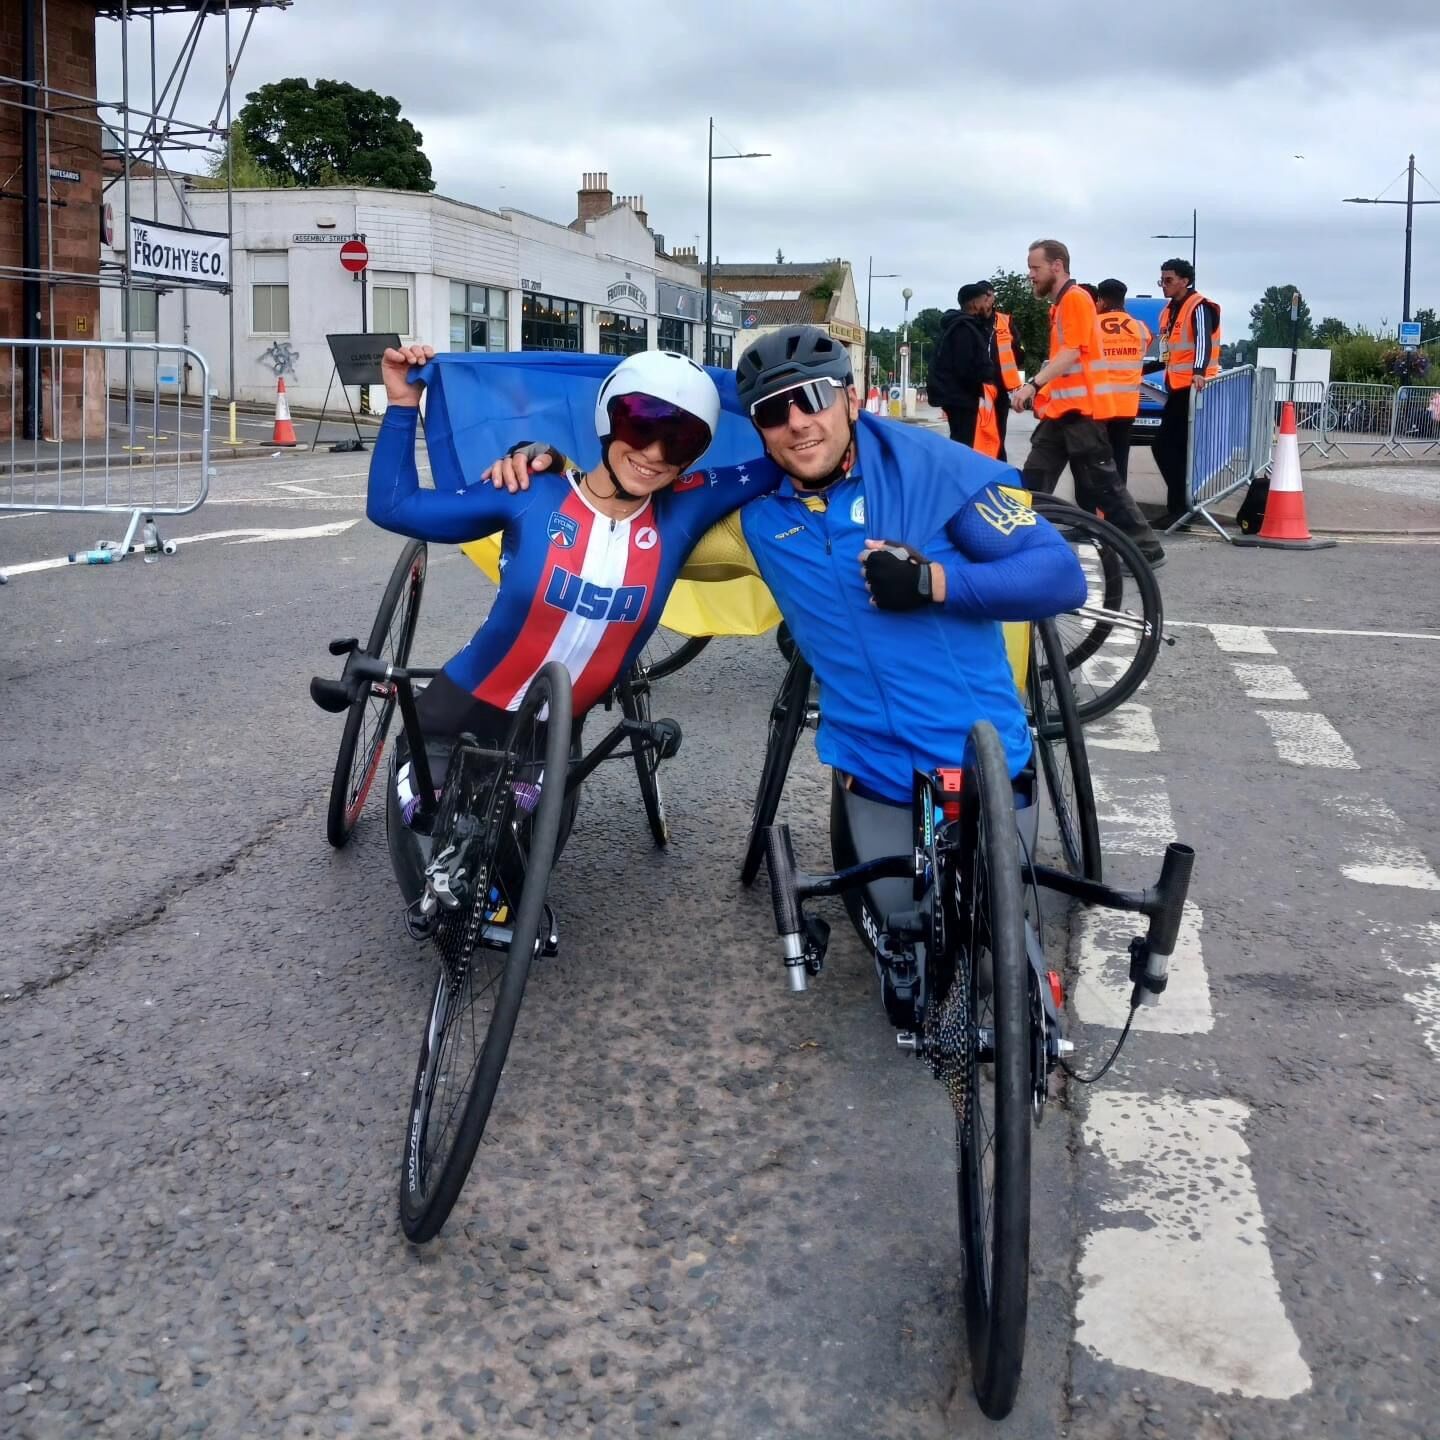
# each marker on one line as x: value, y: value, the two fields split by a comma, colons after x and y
x: 709, y: 231
x: 1192, y: 237
x: 906, y: 293
x: 1409, y: 202
x: 870, y: 278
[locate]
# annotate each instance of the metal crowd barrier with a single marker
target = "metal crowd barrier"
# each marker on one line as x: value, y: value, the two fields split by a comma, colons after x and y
x: 73, y: 446
x: 1358, y: 416
x: 1222, y: 450
x: 1308, y: 397
x: 1416, y: 428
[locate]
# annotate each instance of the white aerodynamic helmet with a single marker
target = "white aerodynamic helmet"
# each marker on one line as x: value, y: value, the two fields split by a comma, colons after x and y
x: 675, y: 382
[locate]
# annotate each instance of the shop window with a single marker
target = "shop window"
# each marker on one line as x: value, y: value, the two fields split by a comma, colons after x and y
x: 477, y: 317
x: 674, y: 335
x: 548, y: 323
x: 620, y: 334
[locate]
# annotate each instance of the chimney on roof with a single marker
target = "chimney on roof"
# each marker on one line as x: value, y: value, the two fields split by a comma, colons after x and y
x: 594, y: 197
x: 685, y: 254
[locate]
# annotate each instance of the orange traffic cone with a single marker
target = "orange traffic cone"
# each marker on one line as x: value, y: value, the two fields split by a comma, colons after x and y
x: 1284, y: 526
x: 284, y: 430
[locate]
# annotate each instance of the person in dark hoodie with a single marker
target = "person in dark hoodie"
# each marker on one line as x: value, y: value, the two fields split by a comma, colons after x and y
x: 964, y: 364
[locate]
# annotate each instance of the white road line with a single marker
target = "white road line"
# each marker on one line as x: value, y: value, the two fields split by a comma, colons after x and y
x: 1304, y: 738
x: 232, y: 537
x: 1378, y: 841
x: 1269, y: 682
x: 1300, y: 630
x: 1241, y: 639
x: 1102, y: 985
x: 1134, y: 815
x: 1190, y: 1290
x: 1127, y: 727
x: 1414, y: 952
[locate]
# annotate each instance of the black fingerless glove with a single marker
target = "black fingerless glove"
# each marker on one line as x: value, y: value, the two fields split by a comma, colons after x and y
x: 897, y: 578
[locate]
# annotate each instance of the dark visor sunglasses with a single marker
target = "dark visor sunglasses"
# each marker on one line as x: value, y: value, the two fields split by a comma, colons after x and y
x: 812, y: 397
x: 641, y: 420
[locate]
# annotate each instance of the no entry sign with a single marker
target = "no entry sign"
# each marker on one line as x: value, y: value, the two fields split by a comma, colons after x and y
x: 354, y: 256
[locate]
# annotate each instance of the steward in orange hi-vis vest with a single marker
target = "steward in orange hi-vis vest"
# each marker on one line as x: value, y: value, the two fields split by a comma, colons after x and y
x: 1125, y: 341
x: 1184, y: 329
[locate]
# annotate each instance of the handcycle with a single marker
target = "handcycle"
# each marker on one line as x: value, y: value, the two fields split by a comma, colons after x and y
x: 965, y: 980
x: 478, y: 854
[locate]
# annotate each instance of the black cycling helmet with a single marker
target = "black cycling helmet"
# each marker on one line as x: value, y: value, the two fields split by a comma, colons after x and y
x: 790, y: 356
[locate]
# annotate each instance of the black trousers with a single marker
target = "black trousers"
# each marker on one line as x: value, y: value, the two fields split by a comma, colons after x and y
x: 1118, y: 433
x: 1170, y: 447
x: 962, y: 425
x: 1082, y: 444
x: 1002, y: 421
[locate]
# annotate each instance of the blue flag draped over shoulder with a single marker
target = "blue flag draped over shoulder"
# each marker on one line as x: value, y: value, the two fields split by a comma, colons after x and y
x: 478, y: 406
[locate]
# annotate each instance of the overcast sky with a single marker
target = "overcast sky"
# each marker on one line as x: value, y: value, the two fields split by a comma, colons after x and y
x: 938, y: 137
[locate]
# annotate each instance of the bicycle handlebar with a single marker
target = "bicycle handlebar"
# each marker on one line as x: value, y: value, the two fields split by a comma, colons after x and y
x: 1165, y: 905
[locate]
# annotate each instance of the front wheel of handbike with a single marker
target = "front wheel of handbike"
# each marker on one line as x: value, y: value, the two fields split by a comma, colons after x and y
x: 993, y: 1133
x: 498, y: 823
x: 368, y: 719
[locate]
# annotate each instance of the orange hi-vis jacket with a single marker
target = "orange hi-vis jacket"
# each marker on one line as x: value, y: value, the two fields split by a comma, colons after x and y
x: 1005, y: 347
x: 1177, y: 341
x: 987, y: 424
x: 1125, y: 340
x: 1074, y: 325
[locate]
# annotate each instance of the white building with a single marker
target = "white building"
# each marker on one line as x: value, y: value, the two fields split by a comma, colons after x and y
x: 454, y: 275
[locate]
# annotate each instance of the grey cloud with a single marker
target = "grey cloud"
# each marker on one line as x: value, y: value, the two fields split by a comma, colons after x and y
x: 937, y: 136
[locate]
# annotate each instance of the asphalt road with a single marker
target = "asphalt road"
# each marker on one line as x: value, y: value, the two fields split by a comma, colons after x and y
x: 705, y: 1206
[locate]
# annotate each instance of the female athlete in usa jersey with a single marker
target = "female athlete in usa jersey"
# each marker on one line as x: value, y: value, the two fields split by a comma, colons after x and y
x: 588, y: 559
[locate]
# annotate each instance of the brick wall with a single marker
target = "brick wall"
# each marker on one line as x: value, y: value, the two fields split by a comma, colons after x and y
x: 73, y: 229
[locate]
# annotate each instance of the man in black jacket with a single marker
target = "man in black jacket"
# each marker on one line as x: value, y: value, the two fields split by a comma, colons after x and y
x: 963, y: 364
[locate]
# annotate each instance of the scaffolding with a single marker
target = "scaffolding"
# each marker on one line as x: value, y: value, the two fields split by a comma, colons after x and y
x: 145, y: 138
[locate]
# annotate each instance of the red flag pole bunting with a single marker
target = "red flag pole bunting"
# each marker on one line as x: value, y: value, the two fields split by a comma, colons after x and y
x: 1284, y: 526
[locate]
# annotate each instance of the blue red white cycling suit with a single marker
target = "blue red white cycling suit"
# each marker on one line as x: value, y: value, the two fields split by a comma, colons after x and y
x: 576, y: 586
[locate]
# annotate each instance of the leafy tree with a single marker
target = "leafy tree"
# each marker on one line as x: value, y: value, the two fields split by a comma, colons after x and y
x: 1429, y: 322
x: 1329, y: 330
x: 1359, y: 357
x: 1030, y: 315
x: 244, y: 170
x: 332, y: 133
x: 1270, y: 319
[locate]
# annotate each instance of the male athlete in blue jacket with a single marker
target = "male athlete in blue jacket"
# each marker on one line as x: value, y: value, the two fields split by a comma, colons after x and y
x: 894, y: 555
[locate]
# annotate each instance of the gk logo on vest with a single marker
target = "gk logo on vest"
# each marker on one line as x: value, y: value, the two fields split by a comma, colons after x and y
x: 623, y: 603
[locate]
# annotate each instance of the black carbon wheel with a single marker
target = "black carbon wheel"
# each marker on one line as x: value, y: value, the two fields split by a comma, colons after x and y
x: 667, y: 651
x: 635, y: 705
x: 1064, y: 761
x: 993, y: 1134
x: 496, y: 833
x: 368, y: 720
x: 1112, y: 641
